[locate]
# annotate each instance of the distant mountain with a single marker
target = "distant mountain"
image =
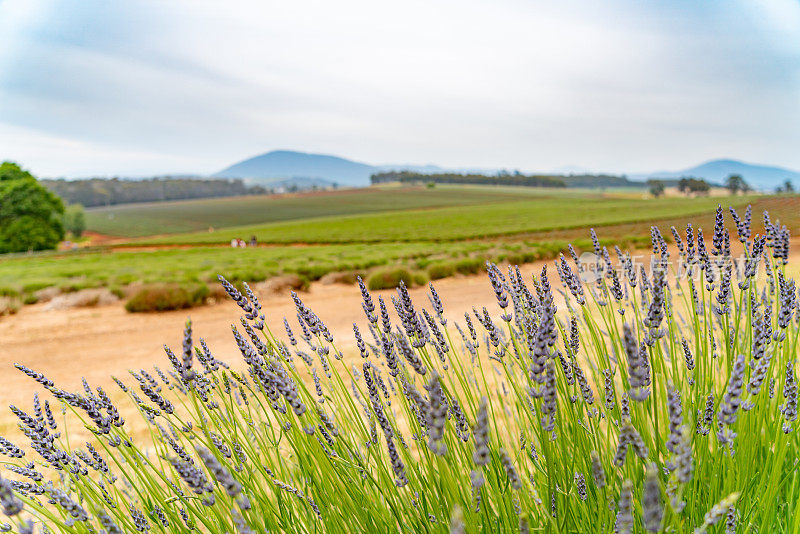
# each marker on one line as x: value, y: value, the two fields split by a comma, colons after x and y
x: 284, y: 168
x: 287, y: 164
x: 763, y: 177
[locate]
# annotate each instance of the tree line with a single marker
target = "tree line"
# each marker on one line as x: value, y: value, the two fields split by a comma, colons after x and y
x: 689, y: 185
x: 105, y: 192
x: 506, y: 178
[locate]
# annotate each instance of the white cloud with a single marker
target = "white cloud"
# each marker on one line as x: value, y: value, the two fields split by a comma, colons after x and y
x: 533, y: 85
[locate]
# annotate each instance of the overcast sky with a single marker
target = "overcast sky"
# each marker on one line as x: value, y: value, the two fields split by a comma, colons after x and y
x: 145, y: 87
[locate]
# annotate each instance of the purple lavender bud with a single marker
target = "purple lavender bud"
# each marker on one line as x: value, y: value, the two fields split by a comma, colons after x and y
x: 675, y: 409
x: 731, y: 401
x: 687, y: 355
x: 362, y: 347
x: 9, y: 449
x: 789, y: 407
x: 368, y: 305
x: 608, y: 377
x: 624, y: 521
x: 11, y: 504
x: 549, y: 402
x: 38, y: 377
x: 583, y: 384
x: 289, y: 332
x: 219, y: 472
x: 690, y: 249
x: 436, y: 302
x: 580, y: 486
x: 678, y: 241
x: 742, y: 226
x: 652, y: 506
x: 410, y: 354
x: 511, y: 471
x: 480, y: 433
x: 629, y: 436
x: 598, y: 473
x: 788, y: 296
x: 719, y: 231
x: 436, y: 415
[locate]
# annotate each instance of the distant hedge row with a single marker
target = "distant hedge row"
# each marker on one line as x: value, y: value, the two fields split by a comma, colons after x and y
x: 104, y: 192
x: 477, y: 179
x: 515, y: 179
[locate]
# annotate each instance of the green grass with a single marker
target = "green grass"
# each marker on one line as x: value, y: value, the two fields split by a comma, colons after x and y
x: 76, y: 270
x: 535, y: 214
x: 516, y: 225
x: 136, y: 220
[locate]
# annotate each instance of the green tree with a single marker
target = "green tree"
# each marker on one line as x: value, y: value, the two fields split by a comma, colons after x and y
x: 656, y: 187
x: 788, y: 186
x: 699, y: 186
x: 75, y: 220
x: 735, y: 183
x: 30, y: 215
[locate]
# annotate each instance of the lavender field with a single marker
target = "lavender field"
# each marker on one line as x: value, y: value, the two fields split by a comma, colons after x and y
x: 656, y: 396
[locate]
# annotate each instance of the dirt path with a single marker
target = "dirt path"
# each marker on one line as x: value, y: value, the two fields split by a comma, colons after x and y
x: 98, y: 342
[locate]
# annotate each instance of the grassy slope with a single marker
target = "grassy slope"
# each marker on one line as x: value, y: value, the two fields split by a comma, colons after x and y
x: 136, y: 220
x: 520, y: 227
x: 100, y: 268
x: 536, y: 214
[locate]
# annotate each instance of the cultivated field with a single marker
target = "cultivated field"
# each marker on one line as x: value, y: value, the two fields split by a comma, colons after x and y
x: 136, y: 220
x: 430, y: 233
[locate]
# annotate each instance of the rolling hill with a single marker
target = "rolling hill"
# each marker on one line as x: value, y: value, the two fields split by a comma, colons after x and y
x: 763, y: 177
x: 287, y: 164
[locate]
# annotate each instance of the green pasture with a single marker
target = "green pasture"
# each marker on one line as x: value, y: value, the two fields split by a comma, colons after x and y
x: 533, y: 214
x: 427, y: 231
x: 146, y: 219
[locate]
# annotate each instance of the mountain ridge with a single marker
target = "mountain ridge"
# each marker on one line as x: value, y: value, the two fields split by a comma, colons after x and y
x: 717, y: 170
x: 286, y: 165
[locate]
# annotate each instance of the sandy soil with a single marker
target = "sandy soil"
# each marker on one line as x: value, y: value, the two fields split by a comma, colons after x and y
x: 97, y: 342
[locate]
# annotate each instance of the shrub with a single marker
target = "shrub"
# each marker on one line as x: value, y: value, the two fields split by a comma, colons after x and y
x: 390, y: 278
x: 117, y: 292
x: 35, y: 286
x: 313, y: 272
x: 8, y: 305
x: 6, y: 291
x: 74, y: 220
x: 249, y: 275
x: 469, y: 266
x: 167, y: 297
x: 678, y: 415
x: 441, y: 270
x: 515, y: 258
x: 30, y: 298
x: 286, y: 282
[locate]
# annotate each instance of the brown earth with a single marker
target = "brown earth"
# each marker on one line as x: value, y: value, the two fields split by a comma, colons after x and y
x: 67, y: 344
x: 96, y: 342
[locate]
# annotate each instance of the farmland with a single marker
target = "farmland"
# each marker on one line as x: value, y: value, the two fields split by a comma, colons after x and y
x: 489, y: 220
x: 426, y: 231
x: 136, y: 220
